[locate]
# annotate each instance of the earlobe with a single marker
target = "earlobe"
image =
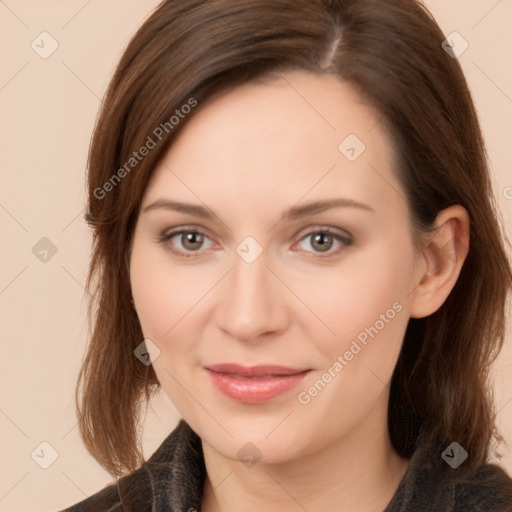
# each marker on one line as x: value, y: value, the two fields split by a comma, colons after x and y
x: 444, y: 253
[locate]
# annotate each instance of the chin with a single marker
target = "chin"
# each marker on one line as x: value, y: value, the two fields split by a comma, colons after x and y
x: 256, y: 441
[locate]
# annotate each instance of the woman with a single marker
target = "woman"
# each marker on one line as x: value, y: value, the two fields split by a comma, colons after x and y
x: 295, y: 238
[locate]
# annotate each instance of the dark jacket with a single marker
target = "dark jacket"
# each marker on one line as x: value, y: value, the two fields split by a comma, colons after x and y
x: 172, y: 481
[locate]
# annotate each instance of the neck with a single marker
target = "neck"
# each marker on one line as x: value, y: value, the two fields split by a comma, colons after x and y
x: 356, y: 473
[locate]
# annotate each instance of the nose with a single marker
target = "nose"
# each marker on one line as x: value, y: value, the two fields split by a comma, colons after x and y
x: 252, y: 304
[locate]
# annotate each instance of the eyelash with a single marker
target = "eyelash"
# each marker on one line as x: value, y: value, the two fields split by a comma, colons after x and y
x: 165, y: 237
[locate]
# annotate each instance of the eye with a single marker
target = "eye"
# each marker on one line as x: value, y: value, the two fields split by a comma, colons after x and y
x: 188, y: 242
x: 323, y: 240
x: 191, y: 240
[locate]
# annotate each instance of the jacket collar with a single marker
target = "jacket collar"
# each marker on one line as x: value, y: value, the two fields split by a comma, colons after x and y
x: 172, y: 480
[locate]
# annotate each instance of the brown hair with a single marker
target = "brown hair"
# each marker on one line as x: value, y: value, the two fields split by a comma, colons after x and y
x: 390, y: 50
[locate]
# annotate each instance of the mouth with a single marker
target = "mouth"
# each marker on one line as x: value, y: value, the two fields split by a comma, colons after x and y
x: 255, y: 384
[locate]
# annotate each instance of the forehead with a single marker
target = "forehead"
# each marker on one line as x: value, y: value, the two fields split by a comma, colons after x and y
x: 296, y: 134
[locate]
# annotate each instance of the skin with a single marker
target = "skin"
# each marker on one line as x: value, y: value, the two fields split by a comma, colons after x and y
x: 248, y: 155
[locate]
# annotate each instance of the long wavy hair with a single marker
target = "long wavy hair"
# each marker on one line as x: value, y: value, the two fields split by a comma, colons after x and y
x: 391, y: 52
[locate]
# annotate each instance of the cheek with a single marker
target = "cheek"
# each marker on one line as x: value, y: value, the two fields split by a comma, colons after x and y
x: 161, y: 293
x: 170, y: 300
x: 155, y: 298
x: 366, y: 298
x: 349, y: 303
x: 343, y: 302
x: 366, y: 305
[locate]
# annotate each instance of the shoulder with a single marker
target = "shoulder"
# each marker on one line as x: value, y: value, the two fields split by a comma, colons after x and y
x: 172, y: 476
x: 104, y: 500
x: 485, y: 488
x: 431, y: 484
x: 132, y: 492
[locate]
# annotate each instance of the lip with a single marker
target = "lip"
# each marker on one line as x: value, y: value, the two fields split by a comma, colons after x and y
x: 254, y: 384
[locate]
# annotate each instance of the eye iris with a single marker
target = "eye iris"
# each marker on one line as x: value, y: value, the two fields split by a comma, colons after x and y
x: 320, y: 238
x: 193, y: 238
x: 192, y: 241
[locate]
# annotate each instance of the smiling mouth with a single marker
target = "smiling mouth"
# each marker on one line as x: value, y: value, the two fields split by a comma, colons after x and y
x: 254, y: 385
x: 261, y: 370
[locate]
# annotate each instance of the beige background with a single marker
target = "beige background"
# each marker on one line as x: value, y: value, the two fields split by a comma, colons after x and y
x: 48, y: 107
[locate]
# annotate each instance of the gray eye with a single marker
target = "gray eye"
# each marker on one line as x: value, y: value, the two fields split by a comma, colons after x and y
x: 322, y: 241
x: 191, y: 240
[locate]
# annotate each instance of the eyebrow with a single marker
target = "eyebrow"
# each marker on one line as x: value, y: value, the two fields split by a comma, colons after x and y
x: 293, y: 213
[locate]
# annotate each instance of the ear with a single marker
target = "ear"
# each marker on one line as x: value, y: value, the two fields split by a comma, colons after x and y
x: 444, y: 254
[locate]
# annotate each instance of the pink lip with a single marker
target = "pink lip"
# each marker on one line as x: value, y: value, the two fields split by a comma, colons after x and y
x: 256, y: 384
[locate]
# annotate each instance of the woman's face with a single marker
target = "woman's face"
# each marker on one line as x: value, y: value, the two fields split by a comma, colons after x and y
x: 323, y: 291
